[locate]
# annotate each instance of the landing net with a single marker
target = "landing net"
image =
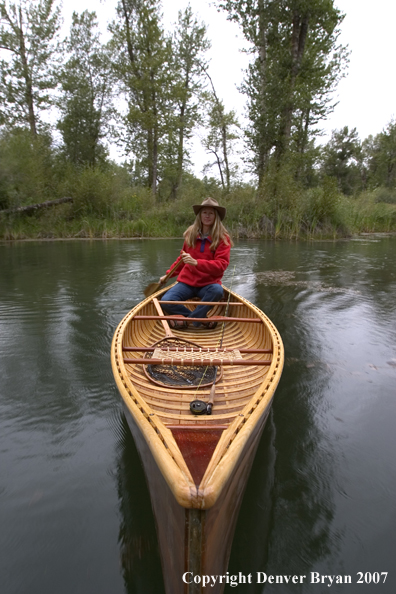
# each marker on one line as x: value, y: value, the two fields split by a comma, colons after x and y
x: 173, y: 373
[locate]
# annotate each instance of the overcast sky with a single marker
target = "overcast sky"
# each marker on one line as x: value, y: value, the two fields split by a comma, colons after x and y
x: 367, y: 96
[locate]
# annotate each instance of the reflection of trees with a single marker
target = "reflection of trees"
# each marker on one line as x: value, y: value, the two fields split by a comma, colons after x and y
x: 249, y: 548
x: 141, y: 565
x: 303, y: 506
x: 59, y: 305
x: 301, y: 534
x: 287, y: 513
x: 369, y: 267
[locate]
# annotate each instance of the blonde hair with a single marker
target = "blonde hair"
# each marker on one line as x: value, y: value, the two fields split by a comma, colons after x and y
x: 217, y: 233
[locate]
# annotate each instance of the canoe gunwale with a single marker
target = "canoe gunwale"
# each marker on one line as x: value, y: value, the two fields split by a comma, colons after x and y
x: 233, y: 440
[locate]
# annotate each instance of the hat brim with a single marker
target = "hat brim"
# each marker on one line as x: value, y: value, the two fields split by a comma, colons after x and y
x: 220, y: 209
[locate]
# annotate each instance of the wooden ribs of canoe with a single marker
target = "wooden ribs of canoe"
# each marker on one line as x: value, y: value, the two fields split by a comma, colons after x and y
x: 197, y: 466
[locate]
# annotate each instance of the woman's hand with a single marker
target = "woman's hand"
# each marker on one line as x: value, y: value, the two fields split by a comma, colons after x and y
x: 162, y: 279
x: 187, y: 259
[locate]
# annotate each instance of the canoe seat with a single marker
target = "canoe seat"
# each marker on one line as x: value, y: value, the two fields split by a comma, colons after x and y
x: 195, y: 356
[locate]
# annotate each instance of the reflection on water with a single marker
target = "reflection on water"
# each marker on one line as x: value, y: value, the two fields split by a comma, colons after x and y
x: 75, y: 512
x: 299, y: 497
x: 330, y: 503
x: 140, y: 558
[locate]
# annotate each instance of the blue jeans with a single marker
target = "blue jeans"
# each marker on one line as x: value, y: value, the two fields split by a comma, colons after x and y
x: 182, y: 292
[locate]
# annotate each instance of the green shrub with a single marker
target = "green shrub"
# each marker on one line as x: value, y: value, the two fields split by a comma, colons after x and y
x: 28, y: 174
x: 280, y: 190
x: 92, y: 190
x: 386, y: 195
x: 321, y: 203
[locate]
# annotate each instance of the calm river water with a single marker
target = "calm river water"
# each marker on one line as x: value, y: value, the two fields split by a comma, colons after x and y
x: 75, y: 514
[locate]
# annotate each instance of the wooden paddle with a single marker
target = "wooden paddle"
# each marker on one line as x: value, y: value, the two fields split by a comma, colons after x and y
x: 153, y: 287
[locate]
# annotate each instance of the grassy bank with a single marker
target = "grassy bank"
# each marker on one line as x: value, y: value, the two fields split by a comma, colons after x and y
x: 106, y: 205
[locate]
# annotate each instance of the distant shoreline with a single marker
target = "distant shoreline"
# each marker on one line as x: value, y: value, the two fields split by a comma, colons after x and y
x: 362, y: 235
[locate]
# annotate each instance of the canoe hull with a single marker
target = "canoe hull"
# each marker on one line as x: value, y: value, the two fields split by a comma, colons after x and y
x: 192, y: 541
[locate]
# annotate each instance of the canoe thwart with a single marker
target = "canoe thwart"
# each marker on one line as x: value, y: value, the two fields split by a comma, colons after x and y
x: 196, y: 427
x: 211, y: 319
x: 202, y: 303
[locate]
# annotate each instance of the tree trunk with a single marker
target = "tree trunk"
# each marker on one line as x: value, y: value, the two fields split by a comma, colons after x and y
x: 154, y: 154
x: 224, y: 140
x: 34, y: 207
x: 155, y: 164
x: 220, y: 168
x: 298, y: 39
x: 225, y: 157
x: 262, y: 152
x: 150, y: 168
x: 28, y: 80
x: 128, y: 34
x: 180, y: 153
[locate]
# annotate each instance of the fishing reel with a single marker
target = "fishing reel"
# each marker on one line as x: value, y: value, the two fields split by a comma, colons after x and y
x: 199, y: 407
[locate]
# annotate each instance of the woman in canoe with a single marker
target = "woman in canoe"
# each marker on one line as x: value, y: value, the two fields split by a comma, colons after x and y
x: 205, y: 257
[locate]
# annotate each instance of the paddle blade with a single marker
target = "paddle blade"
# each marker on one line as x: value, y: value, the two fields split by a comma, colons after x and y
x: 151, y: 289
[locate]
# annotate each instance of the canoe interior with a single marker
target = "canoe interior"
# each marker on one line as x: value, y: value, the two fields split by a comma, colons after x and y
x: 237, y: 385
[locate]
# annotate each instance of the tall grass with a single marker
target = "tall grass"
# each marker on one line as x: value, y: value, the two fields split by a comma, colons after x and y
x: 106, y: 205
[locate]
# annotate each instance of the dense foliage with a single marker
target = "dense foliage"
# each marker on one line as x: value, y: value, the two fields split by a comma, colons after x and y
x: 148, y: 91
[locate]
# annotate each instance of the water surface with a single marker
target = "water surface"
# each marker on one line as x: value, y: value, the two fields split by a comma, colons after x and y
x: 74, y: 509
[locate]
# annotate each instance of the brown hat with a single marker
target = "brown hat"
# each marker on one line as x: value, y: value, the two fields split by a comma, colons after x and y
x: 213, y: 204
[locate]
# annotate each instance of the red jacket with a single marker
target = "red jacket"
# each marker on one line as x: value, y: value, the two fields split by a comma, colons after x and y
x: 211, y: 265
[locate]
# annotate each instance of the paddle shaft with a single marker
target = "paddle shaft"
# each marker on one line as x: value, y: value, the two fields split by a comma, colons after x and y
x: 172, y: 270
x: 153, y: 287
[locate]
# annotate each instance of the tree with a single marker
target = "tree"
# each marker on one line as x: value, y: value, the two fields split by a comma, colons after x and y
x: 296, y: 64
x: 221, y: 132
x: 28, y: 33
x: 141, y: 63
x: 86, y: 82
x: 188, y: 67
x: 380, y: 157
x: 341, y: 159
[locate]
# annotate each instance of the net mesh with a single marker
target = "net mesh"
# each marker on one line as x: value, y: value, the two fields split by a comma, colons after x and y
x: 178, y: 375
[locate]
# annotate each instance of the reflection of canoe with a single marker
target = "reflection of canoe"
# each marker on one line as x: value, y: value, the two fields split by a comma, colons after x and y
x: 197, y: 466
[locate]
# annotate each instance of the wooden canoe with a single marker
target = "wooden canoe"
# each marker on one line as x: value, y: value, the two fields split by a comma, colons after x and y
x: 197, y: 466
